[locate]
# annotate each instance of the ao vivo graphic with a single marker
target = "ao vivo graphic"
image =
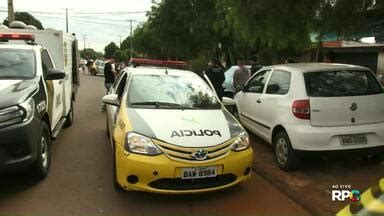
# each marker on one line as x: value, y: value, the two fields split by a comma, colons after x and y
x: 345, y: 192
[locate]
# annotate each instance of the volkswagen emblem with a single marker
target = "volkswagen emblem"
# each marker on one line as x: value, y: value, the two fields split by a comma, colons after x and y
x: 353, y: 107
x: 200, y: 155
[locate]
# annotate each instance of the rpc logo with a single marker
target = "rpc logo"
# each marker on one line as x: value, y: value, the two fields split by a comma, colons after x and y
x: 342, y: 195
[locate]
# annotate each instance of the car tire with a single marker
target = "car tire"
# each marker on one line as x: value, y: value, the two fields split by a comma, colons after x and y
x: 93, y: 72
x: 285, y: 156
x: 40, y: 167
x: 70, y: 117
x: 116, y: 184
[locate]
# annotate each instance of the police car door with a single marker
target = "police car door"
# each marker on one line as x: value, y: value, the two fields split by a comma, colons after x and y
x: 112, y: 111
x: 54, y: 91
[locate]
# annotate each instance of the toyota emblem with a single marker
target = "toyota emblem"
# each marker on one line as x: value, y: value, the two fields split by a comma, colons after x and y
x: 200, y: 155
x: 353, y: 107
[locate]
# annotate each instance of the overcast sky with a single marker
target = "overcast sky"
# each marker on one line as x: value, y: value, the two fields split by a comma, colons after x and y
x: 100, y: 21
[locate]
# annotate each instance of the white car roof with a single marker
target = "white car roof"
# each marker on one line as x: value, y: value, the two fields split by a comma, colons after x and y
x: 161, y: 71
x: 313, y: 67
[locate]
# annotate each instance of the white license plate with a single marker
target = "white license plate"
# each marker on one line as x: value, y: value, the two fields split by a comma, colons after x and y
x: 198, y: 172
x: 359, y: 139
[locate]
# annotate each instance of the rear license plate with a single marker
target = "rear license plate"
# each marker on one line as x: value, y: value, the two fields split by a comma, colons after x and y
x: 360, y: 139
x: 198, y: 172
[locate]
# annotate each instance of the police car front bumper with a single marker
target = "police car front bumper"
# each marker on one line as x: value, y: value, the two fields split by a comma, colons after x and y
x: 160, y: 174
x: 18, y: 145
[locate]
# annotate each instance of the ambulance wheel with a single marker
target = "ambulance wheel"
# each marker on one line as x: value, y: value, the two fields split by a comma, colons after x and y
x: 116, y: 184
x: 285, y: 156
x: 70, y: 117
x: 43, y: 160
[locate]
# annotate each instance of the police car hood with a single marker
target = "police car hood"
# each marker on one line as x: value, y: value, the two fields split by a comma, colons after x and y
x: 185, y: 128
x: 13, y: 92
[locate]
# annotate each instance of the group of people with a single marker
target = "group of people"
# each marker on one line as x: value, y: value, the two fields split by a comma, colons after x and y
x: 215, y: 73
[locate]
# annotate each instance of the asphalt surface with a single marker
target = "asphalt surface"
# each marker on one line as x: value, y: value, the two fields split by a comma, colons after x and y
x: 80, y: 181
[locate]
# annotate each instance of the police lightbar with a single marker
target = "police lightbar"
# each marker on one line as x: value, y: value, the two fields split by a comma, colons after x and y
x: 27, y: 37
x: 151, y: 62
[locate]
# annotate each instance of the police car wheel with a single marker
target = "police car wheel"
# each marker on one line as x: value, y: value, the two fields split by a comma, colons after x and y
x: 116, y: 184
x: 69, y: 118
x: 43, y: 160
x: 285, y: 155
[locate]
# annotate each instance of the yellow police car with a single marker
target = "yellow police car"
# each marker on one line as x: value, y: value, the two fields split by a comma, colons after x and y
x: 170, y: 134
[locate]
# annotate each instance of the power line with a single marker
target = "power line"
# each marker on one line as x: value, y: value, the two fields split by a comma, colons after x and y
x: 86, y: 13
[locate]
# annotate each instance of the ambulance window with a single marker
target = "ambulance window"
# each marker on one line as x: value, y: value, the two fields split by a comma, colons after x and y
x: 46, y: 62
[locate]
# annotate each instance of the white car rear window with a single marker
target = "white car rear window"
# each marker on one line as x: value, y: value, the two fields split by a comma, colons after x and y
x: 341, y: 83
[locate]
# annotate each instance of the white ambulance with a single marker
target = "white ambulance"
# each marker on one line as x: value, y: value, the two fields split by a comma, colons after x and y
x: 38, y: 84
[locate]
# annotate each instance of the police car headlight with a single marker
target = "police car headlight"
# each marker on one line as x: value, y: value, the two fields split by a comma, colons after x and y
x: 140, y: 144
x: 10, y: 116
x: 241, y: 142
x: 28, y: 108
x: 17, y: 114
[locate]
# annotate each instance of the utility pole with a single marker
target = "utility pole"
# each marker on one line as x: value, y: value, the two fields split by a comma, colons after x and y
x: 11, y: 15
x: 66, y: 19
x: 130, y: 36
x: 84, y: 37
x: 120, y: 39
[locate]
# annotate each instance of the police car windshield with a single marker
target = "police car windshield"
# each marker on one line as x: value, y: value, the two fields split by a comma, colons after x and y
x: 17, y: 64
x: 152, y: 91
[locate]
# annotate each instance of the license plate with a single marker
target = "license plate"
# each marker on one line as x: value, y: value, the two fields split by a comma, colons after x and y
x: 198, y: 172
x: 360, y: 139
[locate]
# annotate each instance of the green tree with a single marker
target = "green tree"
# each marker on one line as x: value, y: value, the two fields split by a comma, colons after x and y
x: 110, y: 50
x: 90, y: 54
x: 27, y: 18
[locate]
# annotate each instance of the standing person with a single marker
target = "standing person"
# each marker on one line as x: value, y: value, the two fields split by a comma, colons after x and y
x: 241, y: 76
x: 289, y: 61
x: 109, y: 75
x: 255, y: 66
x: 215, y: 73
x: 329, y: 57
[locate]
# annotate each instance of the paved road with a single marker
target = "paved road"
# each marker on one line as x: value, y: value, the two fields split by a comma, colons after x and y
x: 80, y: 181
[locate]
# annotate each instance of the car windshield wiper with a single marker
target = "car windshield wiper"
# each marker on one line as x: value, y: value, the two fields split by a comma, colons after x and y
x: 163, y: 105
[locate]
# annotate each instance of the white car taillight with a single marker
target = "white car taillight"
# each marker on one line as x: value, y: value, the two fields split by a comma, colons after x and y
x: 301, y: 109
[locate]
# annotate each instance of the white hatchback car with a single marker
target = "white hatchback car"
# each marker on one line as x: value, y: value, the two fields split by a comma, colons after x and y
x: 314, y: 107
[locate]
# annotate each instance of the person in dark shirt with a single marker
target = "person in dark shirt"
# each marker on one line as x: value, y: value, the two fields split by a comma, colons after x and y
x: 255, y: 66
x: 109, y: 75
x: 215, y: 73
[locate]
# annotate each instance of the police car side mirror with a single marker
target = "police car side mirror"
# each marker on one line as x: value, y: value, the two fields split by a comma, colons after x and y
x: 228, y: 101
x: 111, y: 99
x: 54, y: 74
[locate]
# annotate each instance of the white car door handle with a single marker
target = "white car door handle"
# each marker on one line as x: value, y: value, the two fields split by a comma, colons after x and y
x: 60, y: 81
x: 258, y: 100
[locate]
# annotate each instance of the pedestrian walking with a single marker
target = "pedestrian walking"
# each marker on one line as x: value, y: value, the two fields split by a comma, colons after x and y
x: 109, y: 75
x: 215, y: 73
x: 241, y: 76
